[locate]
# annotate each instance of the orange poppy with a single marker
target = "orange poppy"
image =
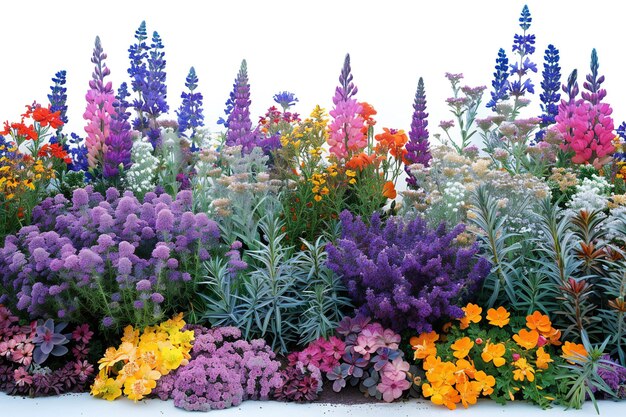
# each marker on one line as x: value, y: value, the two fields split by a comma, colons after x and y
x: 462, y: 347
x: 424, y: 345
x: 539, y: 322
x: 526, y: 339
x: 360, y: 161
x: 498, y: 317
x: 573, y: 352
x: 389, y: 190
x: 472, y: 315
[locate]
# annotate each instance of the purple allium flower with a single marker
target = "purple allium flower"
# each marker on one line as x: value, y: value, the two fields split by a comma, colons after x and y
x: 164, y: 221
x: 143, y: 285
x: 161, y: 252
x: 107, y: 321
x: 138, y: 304
x: 157, y: 298
x: 80, y: 198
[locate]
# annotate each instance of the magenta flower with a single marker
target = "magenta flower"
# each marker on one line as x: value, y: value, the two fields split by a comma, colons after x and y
x: 392, y: 389
x: 21, y: 377
x: 82, y: 333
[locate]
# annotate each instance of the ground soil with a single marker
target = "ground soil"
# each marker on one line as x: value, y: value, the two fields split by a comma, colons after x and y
x: 349, y: 395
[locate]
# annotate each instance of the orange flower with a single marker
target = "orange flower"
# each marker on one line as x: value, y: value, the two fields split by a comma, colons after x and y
x: 360, y: 161
x: 431, y: 362
x: 442, y: 394
x: 424, y: 345
x: 462, y: 347
x: 464, y: 371
x: 499, y: 317
x: 494, y: 352
x: 574, y: 352
x: 443, y: 373
x: 392, y: 141
x: 472, y: 315
x: 367, y: 111
x: 539, y: 322
x: 389, y: 190
x: 526, y: 339
x: 523, y: 371
x: 45, y: 117
x: 468, y: 392
x: 484, y: 382
x: 543, y: 358
x: 553, y: 337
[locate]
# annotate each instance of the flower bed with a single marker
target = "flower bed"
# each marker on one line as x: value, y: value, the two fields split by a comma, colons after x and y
x: 152, y: 258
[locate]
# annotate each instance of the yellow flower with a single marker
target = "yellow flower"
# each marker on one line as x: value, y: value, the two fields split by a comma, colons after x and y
x: 317, y: 198
x: 107, y: 388
x: 494, y: 352
x: 352, y: 181
x: 462, y: 347
x: 574, y: 352
x: 175, y: 323
x: 523, y: 371
x: 171, y: 358
x: 543, y: 358
x: 130, y: 335
x: 350, y: 173
x: 424, y: 345
x: 136, y: 389
x: 472, y: 315
x: 110, y: 358
x: 499, y: 317
x: 526, y: 339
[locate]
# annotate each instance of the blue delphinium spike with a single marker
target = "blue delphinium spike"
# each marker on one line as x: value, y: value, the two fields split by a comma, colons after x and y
x: 500, y: 82
x: 285, y: 99
x: 523, y: 45
x: 189, y: 113
x: 571, y: 88
x: 58, y: 95
x: 138, y: 71
x: 550, y: 97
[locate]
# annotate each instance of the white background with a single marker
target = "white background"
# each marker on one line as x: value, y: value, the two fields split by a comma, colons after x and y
x: 300, y: 47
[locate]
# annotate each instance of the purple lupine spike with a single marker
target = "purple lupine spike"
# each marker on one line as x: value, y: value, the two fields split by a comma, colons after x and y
x: 239, y: 123
x: 595, y: 94
x: 418, y: 151
x: 347, y: 89
x: 119, y: 142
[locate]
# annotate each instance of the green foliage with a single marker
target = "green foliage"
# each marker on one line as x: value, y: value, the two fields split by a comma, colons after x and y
x: 500, y: 249
x: 579, y: 378
x: 283, y: 297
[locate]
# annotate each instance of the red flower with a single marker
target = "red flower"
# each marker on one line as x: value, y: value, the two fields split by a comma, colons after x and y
x: 55, y: 150
x: 45, y: 117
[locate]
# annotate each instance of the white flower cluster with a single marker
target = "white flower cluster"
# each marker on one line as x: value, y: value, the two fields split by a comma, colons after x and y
x: 141, y: 175
x: 591, y: 195
x: 454, y: 195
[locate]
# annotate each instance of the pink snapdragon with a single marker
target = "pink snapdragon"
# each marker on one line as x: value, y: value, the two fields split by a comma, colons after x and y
x: 345, y: 131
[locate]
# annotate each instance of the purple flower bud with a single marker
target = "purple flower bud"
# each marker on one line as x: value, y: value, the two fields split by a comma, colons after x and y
x: 107, y: 321
x: 124, y: 266
x: 172, y: 263
x: 138, y: 304
x: 164, y: 221
x: 157, y: 298
x: 80, y: 198
x: 143, y: 285
x: 161, y: 252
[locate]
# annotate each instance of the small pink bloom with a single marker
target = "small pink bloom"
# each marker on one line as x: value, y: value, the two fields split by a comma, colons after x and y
x: 392, y: 389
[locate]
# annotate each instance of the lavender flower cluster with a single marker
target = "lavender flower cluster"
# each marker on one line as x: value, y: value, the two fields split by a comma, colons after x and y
x: 404, y: 274
x: 223, y: 371
x: 110, y: 258
x: 24, y: 353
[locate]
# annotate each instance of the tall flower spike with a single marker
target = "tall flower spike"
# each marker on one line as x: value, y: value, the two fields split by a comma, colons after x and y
x: 119, y: 142
x: 138, y: 71
x: 418, y: 151
x: 156, y: 94
x: 239, y: 123
x: 58, y: 95
x: 99, y: 109
x: 595, y: 94
x: 345, y: 131
x: 190, y: 111
x: 571, y: 88
x: 550, y: 96
x: 500, y: 81
x: 523, y: 45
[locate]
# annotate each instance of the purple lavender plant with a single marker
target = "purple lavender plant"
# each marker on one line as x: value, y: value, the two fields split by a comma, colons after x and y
x: 404, y: 274
x: 190, y: 111
x: 239, y: 123
x: 550, y: 97
x: 418, y: 151
x: 119, y: 142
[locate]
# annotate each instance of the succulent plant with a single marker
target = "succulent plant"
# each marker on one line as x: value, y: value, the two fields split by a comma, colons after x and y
x: 49, y: 340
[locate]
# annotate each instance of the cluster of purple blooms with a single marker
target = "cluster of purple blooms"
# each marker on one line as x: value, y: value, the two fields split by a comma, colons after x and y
x: 223, y: 371
x: 108, y: 256
x: 418, y: 146
x: 403, y: 274
x: 26, y: 355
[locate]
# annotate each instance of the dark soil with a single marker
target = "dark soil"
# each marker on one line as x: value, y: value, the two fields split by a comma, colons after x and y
x: 349, y: 395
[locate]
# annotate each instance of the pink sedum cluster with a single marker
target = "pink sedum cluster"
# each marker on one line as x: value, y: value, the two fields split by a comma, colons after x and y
x: 345, y: 131
x: 587, y: 129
